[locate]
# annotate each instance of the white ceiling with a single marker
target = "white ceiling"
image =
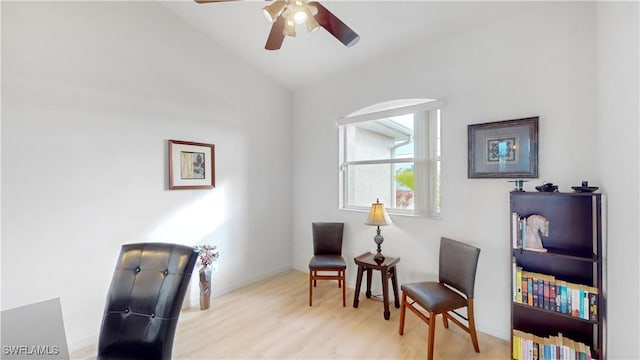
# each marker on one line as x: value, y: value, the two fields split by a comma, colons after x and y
x: 383, y: 26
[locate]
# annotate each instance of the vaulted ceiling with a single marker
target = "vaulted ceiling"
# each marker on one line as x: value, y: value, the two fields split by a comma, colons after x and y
x: 384, y: 27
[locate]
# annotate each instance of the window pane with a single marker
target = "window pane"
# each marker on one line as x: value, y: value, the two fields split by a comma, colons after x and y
x: 366, y: 183
x: 391, y: 183
x: 395, y: 159
x: 404, y: 186
x: 380, y: 139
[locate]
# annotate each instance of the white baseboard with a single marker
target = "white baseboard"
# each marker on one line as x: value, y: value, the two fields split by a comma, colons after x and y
x: 194, y: 300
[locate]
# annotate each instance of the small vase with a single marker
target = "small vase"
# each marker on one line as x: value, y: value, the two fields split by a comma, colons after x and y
x: 205, y: 287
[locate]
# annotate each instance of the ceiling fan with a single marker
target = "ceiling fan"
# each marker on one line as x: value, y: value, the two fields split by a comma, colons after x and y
x: 286, y: 14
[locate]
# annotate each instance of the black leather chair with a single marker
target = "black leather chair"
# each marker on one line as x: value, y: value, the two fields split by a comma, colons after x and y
x: 327, y: 257
x: 144, y: 301
x: 457, y: 275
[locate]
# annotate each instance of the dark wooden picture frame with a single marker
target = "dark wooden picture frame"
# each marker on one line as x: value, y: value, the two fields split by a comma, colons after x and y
x: 504, y: 149
x: 191, y: 165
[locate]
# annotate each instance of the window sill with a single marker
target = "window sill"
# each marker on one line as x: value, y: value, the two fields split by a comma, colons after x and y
x: 394, y: 212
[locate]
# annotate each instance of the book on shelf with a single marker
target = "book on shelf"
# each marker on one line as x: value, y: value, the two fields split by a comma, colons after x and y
x: 515, y: 231
x: 530, y: 290
x: 527, y: 346
x: 552, y: 295
x: 576, y: 301
x: 546, y: 292
x: 518, y: 231
x: 593, y: 304
x: 517, y: 284
x: 536, y: 292
x: 524, y: 288
x: 564, y: 305
x: 584, y: 305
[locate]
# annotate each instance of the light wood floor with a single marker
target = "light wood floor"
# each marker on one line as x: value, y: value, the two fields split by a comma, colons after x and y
x: 272, y: 320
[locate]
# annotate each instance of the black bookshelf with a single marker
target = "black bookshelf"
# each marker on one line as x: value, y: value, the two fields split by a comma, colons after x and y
x: 574, y: 254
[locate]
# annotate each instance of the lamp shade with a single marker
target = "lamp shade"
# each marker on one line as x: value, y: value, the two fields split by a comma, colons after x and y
x: 378, y: 215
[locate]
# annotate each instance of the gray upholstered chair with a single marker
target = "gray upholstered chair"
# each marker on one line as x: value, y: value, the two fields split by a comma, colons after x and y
x: 457, y: 275
x: 327, y: 257
x: 144, y: 301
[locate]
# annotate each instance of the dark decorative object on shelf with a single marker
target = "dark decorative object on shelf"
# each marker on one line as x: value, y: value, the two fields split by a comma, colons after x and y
x: 518, y: 184
x: 585, y: 188
x: 547, y: 187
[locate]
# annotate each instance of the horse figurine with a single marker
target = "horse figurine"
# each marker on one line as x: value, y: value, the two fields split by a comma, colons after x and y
x: 536, y: 224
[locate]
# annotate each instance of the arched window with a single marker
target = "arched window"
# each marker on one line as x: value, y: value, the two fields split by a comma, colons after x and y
x: 391, y: 151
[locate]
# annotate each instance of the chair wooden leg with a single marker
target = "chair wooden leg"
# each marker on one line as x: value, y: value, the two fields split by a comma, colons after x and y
x: 472, y: 325
x: 310, y: 286
x: 445, y: 320
x: 344, y: 290
x: 403, y: 308
x: 432, y: 333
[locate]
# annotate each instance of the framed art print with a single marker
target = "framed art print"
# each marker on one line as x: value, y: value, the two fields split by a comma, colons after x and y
x: 191, y: 165
x: 504, y: 149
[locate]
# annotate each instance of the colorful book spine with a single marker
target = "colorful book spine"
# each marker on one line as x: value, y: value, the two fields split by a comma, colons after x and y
x: 576, y: 301
x: 516, y: 345
x: 518, y: 284
x: 523, y: 232
x: 563, y: 297
x: 525, y: 288
x: 540, y: 292
x: 528, y: 346
x: 547, y: 292
x: 593, y: 304
x: 552, y: 295
x: 584, y: 304
x: 515, y: 231
x: 535, y: 292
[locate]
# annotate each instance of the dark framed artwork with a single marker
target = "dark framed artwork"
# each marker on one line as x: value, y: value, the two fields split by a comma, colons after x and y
x: 191, y: 165
x: 504, y: 149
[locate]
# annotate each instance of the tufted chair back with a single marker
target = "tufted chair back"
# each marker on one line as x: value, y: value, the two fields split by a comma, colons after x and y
x: 144, y: 301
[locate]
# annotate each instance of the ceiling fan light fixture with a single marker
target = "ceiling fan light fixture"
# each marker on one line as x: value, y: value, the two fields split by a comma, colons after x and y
x: 300, y: 16
x: 286, y: 14
x: 290, y: 26
x: 312, y: 24
x: 272, y: 11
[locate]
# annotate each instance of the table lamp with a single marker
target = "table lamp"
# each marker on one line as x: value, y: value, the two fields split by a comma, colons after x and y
x: 378, y: 217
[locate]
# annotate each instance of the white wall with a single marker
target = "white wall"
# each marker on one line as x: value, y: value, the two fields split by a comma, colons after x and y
x: 92, y: 91
x: 539, y: 63
x: 618, y: 156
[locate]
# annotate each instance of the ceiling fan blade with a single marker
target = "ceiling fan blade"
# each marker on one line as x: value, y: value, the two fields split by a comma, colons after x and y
x: 335, y: 26
x: 276, y: 36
